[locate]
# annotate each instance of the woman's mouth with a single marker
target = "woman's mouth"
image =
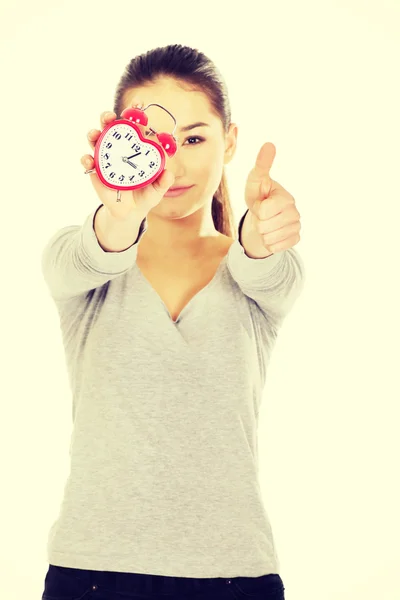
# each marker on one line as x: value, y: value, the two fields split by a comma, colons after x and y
x: 172, y: 192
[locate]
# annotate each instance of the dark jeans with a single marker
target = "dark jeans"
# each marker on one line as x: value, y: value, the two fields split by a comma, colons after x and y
x: 65, y: 583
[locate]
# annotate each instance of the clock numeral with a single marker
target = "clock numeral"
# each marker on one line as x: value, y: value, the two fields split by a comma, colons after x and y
x: 107, y: 165
x: 121, y: 178
x: 112, y: 175
x: 141, y: 173
x: 109, y: 145
x: 106, y: 156
x: 129, y: 136
x: 116, y: 135
x: 136, y: 147
x: 151, y: 165
x: 131, y: 178
x: 147, y: 152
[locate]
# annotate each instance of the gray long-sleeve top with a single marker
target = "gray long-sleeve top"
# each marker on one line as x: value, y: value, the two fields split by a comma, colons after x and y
x: 164, y: 454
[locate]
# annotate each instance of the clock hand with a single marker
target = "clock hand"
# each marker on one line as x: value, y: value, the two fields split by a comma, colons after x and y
x: 125, y: 160
x: 133, y: 155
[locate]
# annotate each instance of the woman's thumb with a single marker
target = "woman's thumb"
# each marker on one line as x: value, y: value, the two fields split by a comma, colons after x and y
x: 164, y: 182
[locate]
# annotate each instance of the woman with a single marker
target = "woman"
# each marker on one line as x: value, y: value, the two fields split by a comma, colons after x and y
x: 168, y: 323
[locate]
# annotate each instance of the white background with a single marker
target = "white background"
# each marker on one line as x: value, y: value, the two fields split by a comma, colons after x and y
x: 321, y: 81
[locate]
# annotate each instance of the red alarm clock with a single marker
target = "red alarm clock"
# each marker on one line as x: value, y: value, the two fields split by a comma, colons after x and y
x: 124, y: 159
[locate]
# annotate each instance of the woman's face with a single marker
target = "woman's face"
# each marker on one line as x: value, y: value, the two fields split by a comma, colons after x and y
x: 201, y: 151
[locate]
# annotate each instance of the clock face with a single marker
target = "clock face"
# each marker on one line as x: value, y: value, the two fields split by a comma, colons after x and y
x: 125, y: 160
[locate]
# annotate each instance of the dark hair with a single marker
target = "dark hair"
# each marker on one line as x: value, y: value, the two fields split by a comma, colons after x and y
x: 193, y: 68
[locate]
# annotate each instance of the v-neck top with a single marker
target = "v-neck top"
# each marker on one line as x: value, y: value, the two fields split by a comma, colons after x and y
x: 200, y: 292
x: 163, y: 474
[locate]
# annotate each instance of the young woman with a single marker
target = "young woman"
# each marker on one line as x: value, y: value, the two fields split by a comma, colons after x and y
x: 168, y: 322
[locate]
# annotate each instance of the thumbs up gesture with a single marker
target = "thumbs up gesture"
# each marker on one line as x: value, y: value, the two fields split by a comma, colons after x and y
x: 273, y: 221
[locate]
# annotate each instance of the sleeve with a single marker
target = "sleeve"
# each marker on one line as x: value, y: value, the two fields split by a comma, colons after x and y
x: 73, y: 262
x: 274, y: 283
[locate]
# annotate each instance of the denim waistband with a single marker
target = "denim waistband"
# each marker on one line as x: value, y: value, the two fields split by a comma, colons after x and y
x: 149, y: 585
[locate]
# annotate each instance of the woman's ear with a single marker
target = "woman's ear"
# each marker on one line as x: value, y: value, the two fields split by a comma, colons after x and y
x: 230, y: 142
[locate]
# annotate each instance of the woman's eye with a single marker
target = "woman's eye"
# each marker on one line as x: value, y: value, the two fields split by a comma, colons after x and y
x: 194, y: 138
x: 149, y: 133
